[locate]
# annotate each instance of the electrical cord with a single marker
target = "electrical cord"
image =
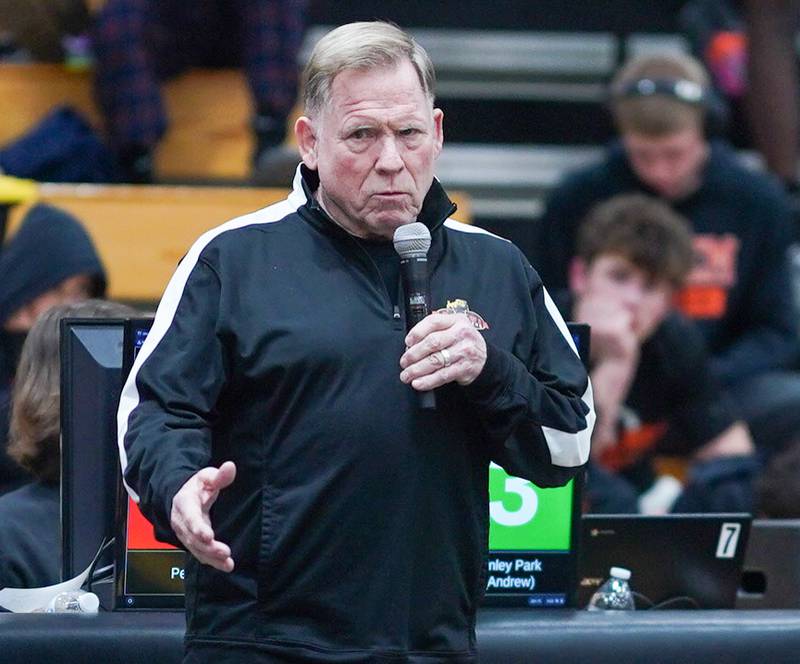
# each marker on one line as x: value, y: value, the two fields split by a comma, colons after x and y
x: 649, y: 605
x: 103, y: 573
x: 105, y: 544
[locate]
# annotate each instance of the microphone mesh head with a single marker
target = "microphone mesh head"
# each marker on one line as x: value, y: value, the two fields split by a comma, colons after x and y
x: 412, y: 240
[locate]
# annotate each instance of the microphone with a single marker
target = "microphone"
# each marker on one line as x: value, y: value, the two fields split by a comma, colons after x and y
x: 412, y: 242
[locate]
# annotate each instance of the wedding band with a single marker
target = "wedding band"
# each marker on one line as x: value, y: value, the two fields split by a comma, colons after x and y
x: 445, y: 357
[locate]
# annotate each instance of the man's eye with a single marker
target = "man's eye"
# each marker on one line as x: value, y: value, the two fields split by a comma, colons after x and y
x: 360, y: 134
x: 620, y: 276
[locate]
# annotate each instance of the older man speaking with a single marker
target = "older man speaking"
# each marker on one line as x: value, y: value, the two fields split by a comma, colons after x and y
x: 271, y: 424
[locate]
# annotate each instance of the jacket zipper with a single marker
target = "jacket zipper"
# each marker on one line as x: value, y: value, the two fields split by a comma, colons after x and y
x: 393, y: 308
x: 397, y: 318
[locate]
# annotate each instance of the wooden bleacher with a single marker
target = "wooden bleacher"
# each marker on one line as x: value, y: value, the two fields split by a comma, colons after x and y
x: 209, y: 137
x: 141, y: 232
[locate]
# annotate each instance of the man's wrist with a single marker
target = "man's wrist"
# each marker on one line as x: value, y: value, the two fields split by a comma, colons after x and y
x: 493, y: 380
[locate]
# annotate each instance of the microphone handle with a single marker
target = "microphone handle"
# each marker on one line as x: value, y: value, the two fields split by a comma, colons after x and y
x: 416, y: 286
x: 426, y: 400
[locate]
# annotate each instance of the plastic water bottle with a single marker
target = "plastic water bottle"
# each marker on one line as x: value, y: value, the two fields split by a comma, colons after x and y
x: 615, y: 593
x: 74, y: 601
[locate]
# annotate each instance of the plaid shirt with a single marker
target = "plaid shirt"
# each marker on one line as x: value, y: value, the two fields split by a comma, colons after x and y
x: 139, y: 43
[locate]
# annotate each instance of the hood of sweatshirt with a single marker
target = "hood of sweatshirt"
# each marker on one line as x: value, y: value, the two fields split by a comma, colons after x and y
x: 50, y: 246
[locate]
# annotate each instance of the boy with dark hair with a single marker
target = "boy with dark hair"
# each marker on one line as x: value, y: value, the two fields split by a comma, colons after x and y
x: 654, y: 390
x: 738, y: 292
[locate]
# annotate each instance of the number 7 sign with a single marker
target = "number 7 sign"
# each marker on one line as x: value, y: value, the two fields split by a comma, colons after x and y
x: 728, y: 539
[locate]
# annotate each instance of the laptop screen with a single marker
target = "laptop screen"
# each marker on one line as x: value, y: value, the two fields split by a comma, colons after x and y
x: 676, y: 560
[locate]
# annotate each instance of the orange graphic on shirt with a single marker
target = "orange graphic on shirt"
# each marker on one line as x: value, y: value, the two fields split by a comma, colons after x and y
x: 706, y: 292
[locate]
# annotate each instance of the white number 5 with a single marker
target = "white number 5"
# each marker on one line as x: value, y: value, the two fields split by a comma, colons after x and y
x: 530, y: 502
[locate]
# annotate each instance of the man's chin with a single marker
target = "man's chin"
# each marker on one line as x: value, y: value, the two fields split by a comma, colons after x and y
x: 676, y: 192
x: 392, y: 221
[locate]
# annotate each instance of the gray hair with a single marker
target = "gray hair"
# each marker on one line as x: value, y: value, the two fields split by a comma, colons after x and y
x: 364, y: 45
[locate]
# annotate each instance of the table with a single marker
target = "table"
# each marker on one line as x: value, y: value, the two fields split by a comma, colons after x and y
x: 505, y: 636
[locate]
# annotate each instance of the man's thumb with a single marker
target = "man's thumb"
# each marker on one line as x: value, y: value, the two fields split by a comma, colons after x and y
x: 226, y: 473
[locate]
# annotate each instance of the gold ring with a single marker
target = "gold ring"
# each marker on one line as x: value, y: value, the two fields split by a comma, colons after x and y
x: 445, y: 357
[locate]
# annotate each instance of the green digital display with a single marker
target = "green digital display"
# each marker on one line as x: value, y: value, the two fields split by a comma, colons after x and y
x: 524, y: 517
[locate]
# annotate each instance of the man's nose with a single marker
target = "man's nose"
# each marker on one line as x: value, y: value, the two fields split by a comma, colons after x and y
x: 389, y: 159
x: 632, y: 297
x: 661, y: 171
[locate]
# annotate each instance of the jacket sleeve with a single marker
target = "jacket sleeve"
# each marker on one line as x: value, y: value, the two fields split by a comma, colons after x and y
x: 168, y: 402
x: 538, y: 413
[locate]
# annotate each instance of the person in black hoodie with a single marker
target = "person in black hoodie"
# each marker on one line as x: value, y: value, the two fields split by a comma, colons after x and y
x: 50, y: 260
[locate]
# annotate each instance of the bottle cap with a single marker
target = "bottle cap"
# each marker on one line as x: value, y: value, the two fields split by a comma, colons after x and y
x: 620, y: 573
x: 89, y: 602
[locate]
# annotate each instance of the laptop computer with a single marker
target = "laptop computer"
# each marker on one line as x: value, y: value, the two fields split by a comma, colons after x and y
x: 676, y: 560
x: 771, y: 573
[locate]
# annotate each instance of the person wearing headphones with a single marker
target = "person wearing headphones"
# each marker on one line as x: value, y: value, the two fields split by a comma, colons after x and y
x: 739, y: 291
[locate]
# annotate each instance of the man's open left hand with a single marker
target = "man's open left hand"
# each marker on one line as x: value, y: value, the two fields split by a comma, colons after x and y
x: 190, y: 517
x: 442, y: 348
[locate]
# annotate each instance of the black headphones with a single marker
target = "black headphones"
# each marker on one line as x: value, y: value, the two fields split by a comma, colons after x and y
x: 681, y: 89
x: 688, y: 92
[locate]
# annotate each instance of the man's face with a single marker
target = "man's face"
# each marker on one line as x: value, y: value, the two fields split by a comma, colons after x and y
x: 374, y: 146
x: 619, y: 283
x: 671, y: 165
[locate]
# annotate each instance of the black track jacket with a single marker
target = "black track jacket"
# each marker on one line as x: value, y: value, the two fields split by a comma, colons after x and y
x: 358, y: 522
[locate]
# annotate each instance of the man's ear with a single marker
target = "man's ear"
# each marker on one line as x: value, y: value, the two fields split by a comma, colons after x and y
x: 578, y: 276
x: 306, y: 134
x: 438, y: 129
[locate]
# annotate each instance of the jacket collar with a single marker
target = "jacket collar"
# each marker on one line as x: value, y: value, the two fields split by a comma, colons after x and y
x: 436, y: 208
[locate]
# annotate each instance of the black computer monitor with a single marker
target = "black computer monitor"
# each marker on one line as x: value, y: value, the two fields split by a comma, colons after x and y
x: 533, y: 532
x: 91, y: 380
x: 581, y: 334
x: 148, y: 573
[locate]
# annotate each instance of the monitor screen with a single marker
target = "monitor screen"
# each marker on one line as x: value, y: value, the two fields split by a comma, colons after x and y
x: 148, y: 573
x: 532, y: 535
x: 533, y: 532
x: 91, y: 380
